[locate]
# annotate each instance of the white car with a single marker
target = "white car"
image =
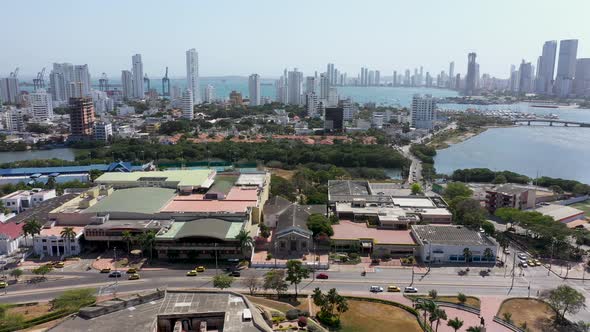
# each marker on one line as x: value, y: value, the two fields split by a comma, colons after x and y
x: 507, y: 251
x: 521, y: 255
x: 410, y: 289
x: 376, y: 289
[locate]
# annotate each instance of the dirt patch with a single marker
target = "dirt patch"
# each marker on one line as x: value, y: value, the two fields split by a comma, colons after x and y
x: 377, y: 317
x: 538, y: 315
x: 288, y: 175
x: 277, y: 305
x: 33, y: 311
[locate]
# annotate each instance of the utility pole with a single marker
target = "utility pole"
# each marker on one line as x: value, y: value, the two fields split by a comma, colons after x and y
x: 216, y: 268
x: 551, y: 258
x: 513, y: 270
x: 529, y: 289
x: 116, y: 276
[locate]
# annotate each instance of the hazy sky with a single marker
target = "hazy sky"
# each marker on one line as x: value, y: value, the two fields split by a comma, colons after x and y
x: 240, y: 37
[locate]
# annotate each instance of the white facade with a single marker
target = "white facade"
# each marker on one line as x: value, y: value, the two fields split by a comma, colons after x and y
x: 14, y: 120
x: 209, y: 96
x: 324, y: 87
x: 82, y: 79
x: 332, y: 97
x: 9, y: 245
x: 9, y: 90
x: 311, y: 105
x: 41, y: 105
x: 137, y: 65
x: 188, y: 105
x: 192, y: 74
x: 127, y: 83
x: 310, y: 84
x: 254, y: 89
x: 294, y: 87
x: 423, y: 112
x: 56, y: 245
x: 23, y: 200
x: 103, y: 131
x: 349, y: 110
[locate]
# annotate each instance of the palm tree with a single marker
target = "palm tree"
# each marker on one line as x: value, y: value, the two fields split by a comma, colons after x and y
x: 127, y: 237
x: 147, y: 240
x: 474, y: 329
x: 467, y: 254
x: 245, y: 241
x: 427, y: 307
x: 488, y: 254
x: 455, y: 323
x: 69, y: 234
x: 31, y: 227
x: 437, y: 315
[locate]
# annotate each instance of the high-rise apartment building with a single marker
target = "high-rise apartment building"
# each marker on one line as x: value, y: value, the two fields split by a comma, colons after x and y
x: 254, y: 89
x: 525, y: 79
x: 41, y: 105
x: 82, y: 80
x: 566, y: 67
x: 423, y: 111
x: 324, y: 87
x: 81, y: 119
x: 103, y: 131
x: 334, y: 119
x: 294, y: 87
x: 377, y: 77
x: 310, y: 84
x: 546, y: 68
x: 9, y: 90
x: 127, y: 84
x: 188, y: 110
x: 137, y: 69
x: 209, y: 96
x: 451, y: 74
x: 192, y: 74
x: 394, y: 81
x: 331, y: 72
x: 582, y: 80
x: 311, y: 105
x: 470, y: 79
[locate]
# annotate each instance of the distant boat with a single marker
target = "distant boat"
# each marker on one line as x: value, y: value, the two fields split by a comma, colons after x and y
x: 545, y: 106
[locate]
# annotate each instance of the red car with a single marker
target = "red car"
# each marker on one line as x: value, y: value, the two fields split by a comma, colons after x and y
x: 322, y: 276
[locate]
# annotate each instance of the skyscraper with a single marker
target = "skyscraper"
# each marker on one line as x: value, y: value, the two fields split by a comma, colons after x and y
x: 192, y: 74
x: 82, y: 79
x: 546, y: 68
x: 187, y: 104
x: 209, y: 94
x: 566, y: 67
x: 254, y: 89
x: 81, y: 118
x: 295, y: 87
x: 451, y: 74
x: 127, y: 84
x: 9, y: 90
x: 471, y: 74
x: 331, y: 74
x: 41, y: 105
x: 137, y: 65
x: 324, y: 87
x: 525, y: 83
x: 582, y: 80
x: 310, y: 84
x: 394, y: 79
x: 423, y: 111
x: 377, y: 77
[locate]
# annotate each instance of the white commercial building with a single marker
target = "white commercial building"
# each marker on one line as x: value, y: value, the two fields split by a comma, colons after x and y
x: 22, y: 200
x: 41, y: 105
x: 127, y: 84
x: 9, y: 90
x: 51, y: 242
x: 423, y: 111
x: 192, y: 74
x: 103, y: 131
x: 138, y: 90
x: 188, y: 105
x: 440, y: 244
x: 254, y: 89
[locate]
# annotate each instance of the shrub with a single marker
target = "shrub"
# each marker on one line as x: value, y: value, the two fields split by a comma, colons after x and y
x: 313, y: 328
x: 74, y: 299
x: 462, y: 298
x: 433, y: 293
x: 302, y: 321
x: 386, y: 257
x: 294, y: 313
x: 329, y: 320
x: 268, y: 256
x: 353, y: 255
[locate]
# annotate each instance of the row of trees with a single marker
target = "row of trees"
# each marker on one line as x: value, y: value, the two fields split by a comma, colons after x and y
x: 466, y: 210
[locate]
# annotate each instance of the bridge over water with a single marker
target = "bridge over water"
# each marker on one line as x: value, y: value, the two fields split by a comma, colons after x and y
x: 550, y: 122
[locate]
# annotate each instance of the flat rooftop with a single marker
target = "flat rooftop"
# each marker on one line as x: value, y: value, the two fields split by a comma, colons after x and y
x: 347, y: 187
x: 208, y: 206
x: 41, y: 211
x: 559, y: 212
x: 252, y: 179
x: 207, y: 227
x: 451, y: 235
x: 56, y: 230
x: 131, y: 224
x: 419, y: 202
x: 195, y: 178
x: 348, y: 230
x: 145, y: 200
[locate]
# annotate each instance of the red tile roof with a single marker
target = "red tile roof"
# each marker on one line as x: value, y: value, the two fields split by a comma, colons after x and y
x: 11, y: 229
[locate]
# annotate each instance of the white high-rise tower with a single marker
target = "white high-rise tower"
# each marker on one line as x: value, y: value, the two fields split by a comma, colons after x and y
x: 254, y: 89
x: 138, y: 91
x: 187, y: 105
x: 192, y: 74
x: 41, y: 105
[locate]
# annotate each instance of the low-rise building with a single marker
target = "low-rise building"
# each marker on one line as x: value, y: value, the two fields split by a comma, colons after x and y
x: 441, y: 244
x: 22, y: 200
x: 509, y: 196
x: 561, y: 213
x: 355, y: 236
x: 11, y: 237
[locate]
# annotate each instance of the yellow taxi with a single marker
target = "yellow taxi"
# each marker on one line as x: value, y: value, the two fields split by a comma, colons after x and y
x: 58, y: 265
x: 192, y: 273
x: 131, y: 270
x: 3, y: 284
x: 106, y: 270
x: 134, y: 276
x: 530, y: 262
x: 537, y: 262
x: 200, y: 269
x: 393, y: 289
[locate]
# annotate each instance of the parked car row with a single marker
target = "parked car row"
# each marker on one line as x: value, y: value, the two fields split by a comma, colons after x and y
x: 393, y: 288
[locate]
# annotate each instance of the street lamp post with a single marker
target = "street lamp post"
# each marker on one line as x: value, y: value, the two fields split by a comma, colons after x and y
x: 116, y: 276
x: 216, y: 267
x: 551, y: 258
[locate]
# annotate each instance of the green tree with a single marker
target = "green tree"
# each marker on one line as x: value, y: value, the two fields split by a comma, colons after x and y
x: 488, y: 227
x: 280, y: 186
x: 69, y: 234
x: 275, y: 280
x: 42, y: 270
x: 457, y: 189
x: 436, y: 316
x: 319, y: 224
x: 127, y: 237
x: 468, y: 212
x: 252, y: 282
x: 416, y: 188
x: 245, y: 241
x: 507, y: 316
x: 474, y: 329
x: 16, y: 273
x: 147, y: 241
x: 462, y: 298
x: 296, y: 272
x: 499, y: 179
x: 222, y: 281
x: 31, y: 227
x: 566, y: 300
x: 488, y: 254
x: 433, y: 294
x: 467, y: 254
x: 74, y: 299
x: 455, y: 323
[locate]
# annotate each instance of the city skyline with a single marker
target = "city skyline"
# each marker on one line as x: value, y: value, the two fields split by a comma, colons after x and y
x: 432, y: 44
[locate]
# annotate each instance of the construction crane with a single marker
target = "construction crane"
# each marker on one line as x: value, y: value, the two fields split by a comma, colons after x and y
x: 146, y: 81
x: 166, y: 85
x: 39, y: 82
x: 14, y: 74
x: 103, y: 82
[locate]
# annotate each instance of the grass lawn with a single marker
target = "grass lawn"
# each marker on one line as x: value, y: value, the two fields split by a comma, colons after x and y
x: 537, y: 314
x: 584, y: 206
x: 471, y: 301
x: 277, y: 305
x: 377, y: 317
x: 30, y: 312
